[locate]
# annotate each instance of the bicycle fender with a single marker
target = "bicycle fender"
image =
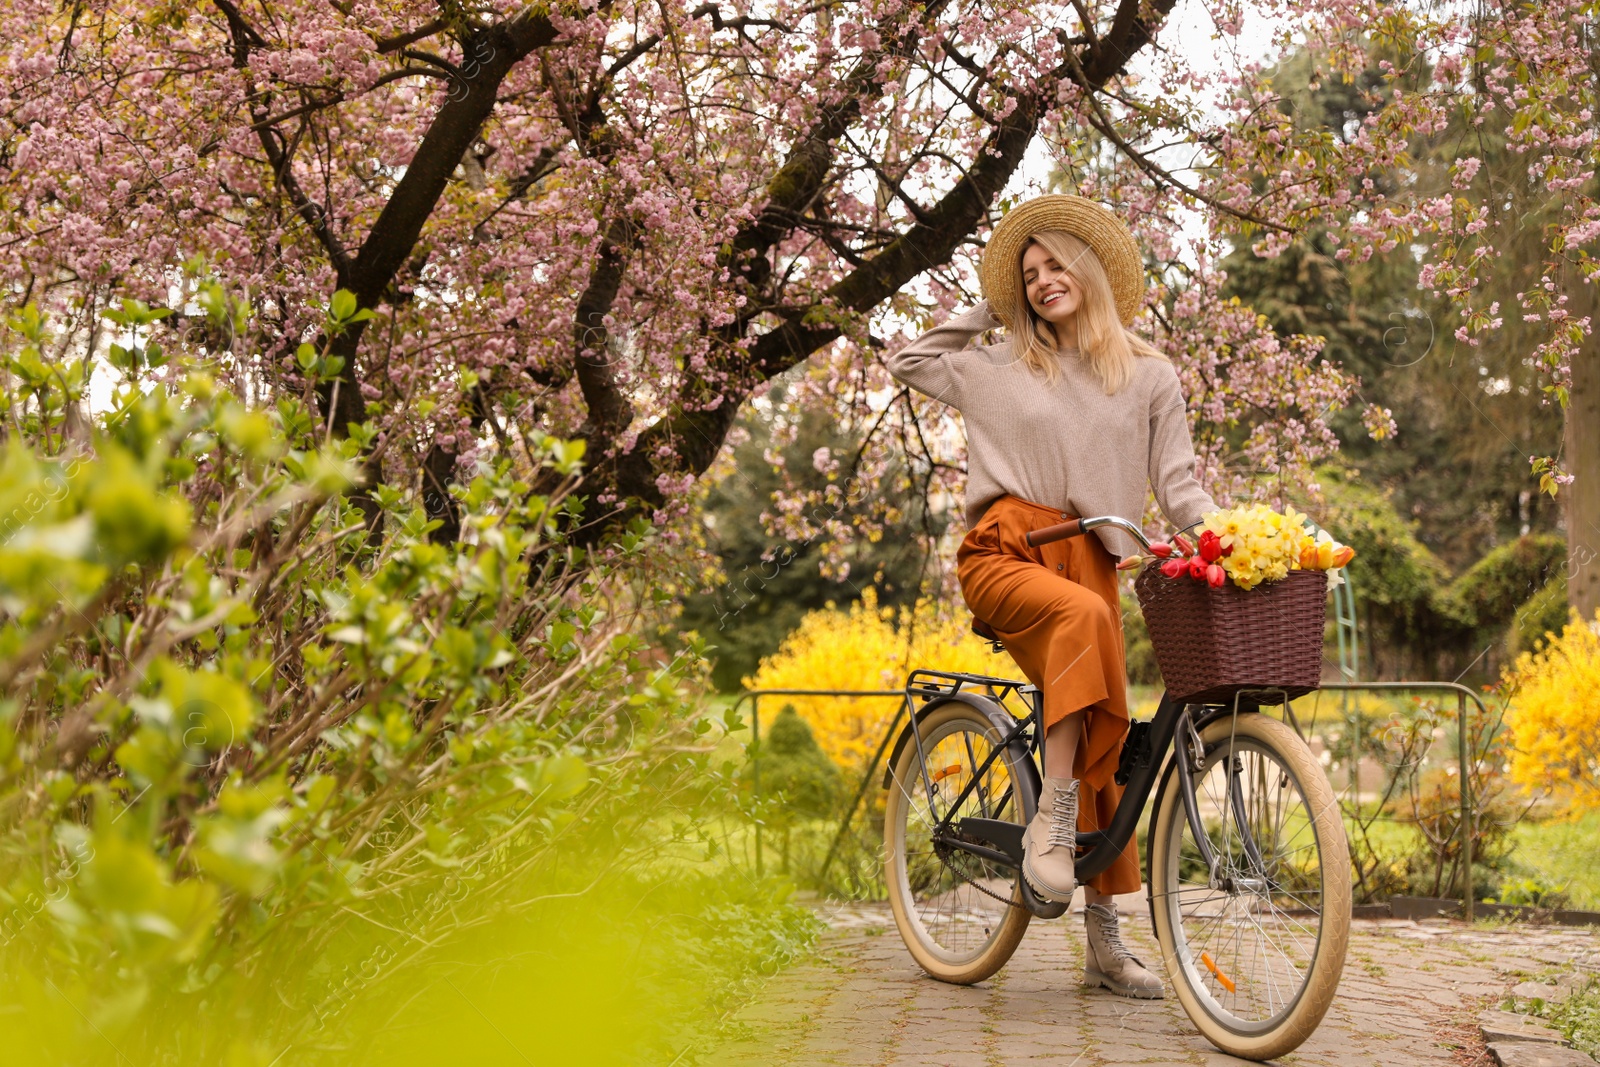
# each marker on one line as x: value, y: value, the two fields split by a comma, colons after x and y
x: 1003, y: 721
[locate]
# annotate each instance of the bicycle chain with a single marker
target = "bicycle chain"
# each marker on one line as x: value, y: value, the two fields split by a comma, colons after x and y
x: 943, y: 852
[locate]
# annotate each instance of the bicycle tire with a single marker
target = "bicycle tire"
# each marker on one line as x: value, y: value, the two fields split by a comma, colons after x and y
x: 1292, y: 906
x: 953, y: 931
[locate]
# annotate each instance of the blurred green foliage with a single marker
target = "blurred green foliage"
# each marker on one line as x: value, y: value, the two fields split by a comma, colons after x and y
x: 794, y: 770
x: 1559, y: 854
x: 282, y: 780
x: 1541, y: 615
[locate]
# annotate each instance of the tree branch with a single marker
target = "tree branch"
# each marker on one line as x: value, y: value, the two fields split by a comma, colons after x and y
x: 1130, y: 31
x: 310, y: 212
x: 385, y: 45
x: 802, y: 176
x: 609, y: 408
x: 243, y: 34
x: 696, y: 435
x: 488, y: 57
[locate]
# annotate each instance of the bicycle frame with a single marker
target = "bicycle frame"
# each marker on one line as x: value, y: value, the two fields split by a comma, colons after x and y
x: 1174, y: 727
x: 1145, y: 758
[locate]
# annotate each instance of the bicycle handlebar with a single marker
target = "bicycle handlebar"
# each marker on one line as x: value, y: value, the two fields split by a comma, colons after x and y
x: 1072, y: 528
x: 1059, y: 532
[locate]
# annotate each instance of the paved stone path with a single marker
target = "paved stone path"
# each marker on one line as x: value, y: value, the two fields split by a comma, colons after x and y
x: 1410, y: 994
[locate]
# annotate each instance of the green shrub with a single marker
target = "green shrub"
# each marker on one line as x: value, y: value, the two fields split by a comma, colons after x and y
x: 1529, y: 891
x: 796, y: 775
x: 1492, y: 589
x: 256, y: 718
x: 1416, y: 619
x: 1541, y: 615
x: 1394, y: 571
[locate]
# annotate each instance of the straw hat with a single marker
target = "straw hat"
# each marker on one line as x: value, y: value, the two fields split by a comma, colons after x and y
x: 1096, y: 224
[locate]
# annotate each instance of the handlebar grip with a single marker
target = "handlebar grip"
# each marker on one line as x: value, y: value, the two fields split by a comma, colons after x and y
x: 1059, y: 532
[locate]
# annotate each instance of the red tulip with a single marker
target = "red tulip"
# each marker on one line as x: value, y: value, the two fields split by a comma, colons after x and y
x: 1216, y: 575
x: 1210, y: 547
x: 1174, y: 567
x: 1197, y: 567
x: 1183, y: 545
x: 1160, y: 548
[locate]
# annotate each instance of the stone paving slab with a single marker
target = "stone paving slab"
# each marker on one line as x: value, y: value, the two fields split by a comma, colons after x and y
x: 1531, y: 1054
x: 1410, y: 990
x: 1509, y: 1026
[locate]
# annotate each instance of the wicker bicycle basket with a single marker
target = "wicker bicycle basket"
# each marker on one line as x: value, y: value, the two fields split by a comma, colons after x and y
x: 1212, y: 643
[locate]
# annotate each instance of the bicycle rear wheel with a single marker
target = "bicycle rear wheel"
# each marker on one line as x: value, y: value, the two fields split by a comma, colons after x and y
x: 954, y: 930
x: 1254, y: 948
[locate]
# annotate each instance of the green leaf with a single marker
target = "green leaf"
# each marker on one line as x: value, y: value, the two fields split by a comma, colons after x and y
x: 133, y: 520
x: 239, y: 852
x: 210, y: 710
x: 348, y: 635
x: 150, y: 756
x: 343, y: 306
x: 561, y: 778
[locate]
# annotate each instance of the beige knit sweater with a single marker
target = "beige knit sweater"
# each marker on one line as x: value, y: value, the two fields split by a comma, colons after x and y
x: 1066, y: 445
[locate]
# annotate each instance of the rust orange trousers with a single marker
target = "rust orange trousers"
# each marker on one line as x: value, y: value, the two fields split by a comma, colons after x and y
x: 1057, y: 612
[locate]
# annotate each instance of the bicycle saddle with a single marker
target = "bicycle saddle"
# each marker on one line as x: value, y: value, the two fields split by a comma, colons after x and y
x: 985, y: 631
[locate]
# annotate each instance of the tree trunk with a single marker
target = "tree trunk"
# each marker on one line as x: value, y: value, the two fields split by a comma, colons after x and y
x: 438, y: 471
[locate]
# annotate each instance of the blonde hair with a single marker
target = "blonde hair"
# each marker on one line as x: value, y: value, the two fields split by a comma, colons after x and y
x: 1109, y: 346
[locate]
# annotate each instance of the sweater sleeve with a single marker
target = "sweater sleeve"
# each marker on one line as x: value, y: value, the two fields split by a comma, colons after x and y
x: 934, y: 364
x: 1172, y: 457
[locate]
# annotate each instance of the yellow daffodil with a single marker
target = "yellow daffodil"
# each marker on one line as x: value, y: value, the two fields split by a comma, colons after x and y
x: 1262, y: 545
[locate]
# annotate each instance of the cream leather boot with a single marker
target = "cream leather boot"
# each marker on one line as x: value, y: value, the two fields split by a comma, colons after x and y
x: 1108, y: 962
x: 1049, y: 846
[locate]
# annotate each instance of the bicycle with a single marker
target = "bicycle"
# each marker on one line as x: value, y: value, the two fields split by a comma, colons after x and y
x: 1248, y: 869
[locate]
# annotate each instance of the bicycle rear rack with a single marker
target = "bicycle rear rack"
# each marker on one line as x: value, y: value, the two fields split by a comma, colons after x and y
x: 925, y: 684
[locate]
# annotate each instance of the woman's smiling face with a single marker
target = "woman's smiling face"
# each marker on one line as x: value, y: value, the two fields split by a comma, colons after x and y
x: 1053, y: 293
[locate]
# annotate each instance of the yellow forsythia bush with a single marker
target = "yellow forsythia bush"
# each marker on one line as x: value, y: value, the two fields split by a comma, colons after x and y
x: 1554, y: 715
x: 868, y: 647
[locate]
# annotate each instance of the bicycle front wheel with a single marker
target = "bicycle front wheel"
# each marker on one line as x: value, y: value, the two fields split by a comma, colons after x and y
x: 959, y: 914
x: 1254, y: 946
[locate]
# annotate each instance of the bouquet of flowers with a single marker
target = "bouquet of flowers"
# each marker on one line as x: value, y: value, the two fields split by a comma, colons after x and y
x: 1252, y: 544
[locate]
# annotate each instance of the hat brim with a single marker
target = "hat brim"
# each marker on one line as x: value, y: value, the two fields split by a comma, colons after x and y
x: 1096, y: 224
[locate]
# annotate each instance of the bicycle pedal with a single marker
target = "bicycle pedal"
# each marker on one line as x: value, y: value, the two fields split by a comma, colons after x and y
x: 1040, y: 907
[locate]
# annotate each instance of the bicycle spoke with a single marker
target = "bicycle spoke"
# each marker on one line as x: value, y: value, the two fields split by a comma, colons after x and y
x: 1240, y: 941
x: 952, y: 911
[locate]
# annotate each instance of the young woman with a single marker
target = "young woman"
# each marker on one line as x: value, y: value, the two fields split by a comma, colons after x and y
x: 1072, y: 415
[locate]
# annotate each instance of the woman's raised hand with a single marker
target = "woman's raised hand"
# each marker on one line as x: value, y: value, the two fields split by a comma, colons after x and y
x: 982, y: 308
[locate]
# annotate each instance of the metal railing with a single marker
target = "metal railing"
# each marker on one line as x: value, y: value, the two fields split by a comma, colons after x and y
x: 754, y: 697
x: 1466, y: 825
